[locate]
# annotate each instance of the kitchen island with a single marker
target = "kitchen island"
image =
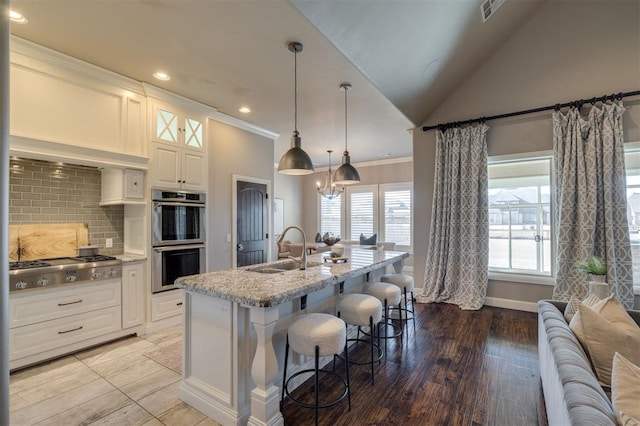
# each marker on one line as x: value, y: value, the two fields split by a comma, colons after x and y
x: 235, y: 325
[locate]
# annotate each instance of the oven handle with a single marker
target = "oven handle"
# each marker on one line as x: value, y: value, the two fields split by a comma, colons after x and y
x: 177, y: 204
x: 174, y: 248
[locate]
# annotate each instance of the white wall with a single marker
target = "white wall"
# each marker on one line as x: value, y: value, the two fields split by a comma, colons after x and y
x: 568, y: 50
x: 231, y: 151
x: 290, y: 189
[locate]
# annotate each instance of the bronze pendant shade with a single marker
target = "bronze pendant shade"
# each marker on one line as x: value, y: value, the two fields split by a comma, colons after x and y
x: 295, y: 161
x: 346, y: 173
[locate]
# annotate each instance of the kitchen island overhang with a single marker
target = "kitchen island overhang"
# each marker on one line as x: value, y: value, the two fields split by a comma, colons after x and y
x: 234, y: 317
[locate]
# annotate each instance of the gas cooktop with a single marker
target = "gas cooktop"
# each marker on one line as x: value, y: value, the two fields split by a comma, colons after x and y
x: 33, y: 274
x: 41, y: 263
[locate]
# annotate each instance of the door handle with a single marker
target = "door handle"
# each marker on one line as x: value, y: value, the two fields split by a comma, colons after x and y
x: 240, y: 247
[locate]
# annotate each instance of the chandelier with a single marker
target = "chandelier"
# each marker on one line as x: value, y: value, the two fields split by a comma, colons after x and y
x: 329, y: 190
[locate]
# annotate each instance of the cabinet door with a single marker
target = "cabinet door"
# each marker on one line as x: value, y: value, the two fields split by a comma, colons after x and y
x: 193, y: 133
x: 166, y: 126
x: 133, y: 183
x: 193, y: 170
x: 166, y: 166
x: 132, y: 295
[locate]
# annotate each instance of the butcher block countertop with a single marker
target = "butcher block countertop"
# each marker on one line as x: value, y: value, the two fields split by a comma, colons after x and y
x: 257, y: 289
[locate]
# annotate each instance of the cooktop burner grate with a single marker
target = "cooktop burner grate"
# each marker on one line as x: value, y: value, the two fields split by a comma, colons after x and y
x: 95, y: 258
x: 28, y: 264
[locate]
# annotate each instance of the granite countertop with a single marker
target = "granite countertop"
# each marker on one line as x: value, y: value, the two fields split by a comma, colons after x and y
x: 264, y: 290
x: 130, y: 257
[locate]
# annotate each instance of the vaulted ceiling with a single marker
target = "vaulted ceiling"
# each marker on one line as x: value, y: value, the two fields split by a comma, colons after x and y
x: 402, y: 57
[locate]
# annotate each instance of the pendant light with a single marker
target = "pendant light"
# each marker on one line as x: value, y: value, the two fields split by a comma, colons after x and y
x: 329, y: 190
x: 346, y: 173
x: 295, y: 161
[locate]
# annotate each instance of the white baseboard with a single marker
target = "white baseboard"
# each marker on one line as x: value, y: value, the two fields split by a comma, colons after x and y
x: 518, y: 305
x: 497, y: 302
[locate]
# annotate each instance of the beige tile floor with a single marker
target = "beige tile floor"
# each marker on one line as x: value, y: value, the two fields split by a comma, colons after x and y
x: 119, y: 383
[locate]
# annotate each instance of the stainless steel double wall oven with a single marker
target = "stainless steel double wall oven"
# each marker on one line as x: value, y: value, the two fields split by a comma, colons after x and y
x: 178, y: 236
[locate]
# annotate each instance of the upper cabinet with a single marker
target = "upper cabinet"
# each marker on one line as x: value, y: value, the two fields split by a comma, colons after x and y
x: 179, y: 134
x: 60, y: 100
x: 122, y: 186
x: 178, y: 128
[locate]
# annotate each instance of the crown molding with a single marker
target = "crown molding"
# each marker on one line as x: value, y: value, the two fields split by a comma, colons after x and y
x: 29, y: 55
x: 384, y: 162
x: 244, y: 125
x: 160, y: 94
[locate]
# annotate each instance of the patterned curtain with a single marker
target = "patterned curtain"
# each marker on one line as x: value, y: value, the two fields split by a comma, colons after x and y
x: 456, y: 270
x: 591, y: 202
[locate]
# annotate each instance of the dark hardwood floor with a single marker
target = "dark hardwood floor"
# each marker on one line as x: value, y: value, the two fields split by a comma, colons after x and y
x: 457, y: 368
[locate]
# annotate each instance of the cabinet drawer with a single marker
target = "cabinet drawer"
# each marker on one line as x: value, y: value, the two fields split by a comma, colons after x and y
x: 36, y: 338
x: 166, y: 305
x: 49, y: 304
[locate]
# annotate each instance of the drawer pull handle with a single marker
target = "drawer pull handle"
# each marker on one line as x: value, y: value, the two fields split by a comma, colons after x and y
x: 179, y: 304
x: 70, y: 303
x: 69, y: 331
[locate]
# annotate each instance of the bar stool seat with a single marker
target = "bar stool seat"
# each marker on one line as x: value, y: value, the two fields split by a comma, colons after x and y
x: 317, y: 335
x: 362, y: 310
x: 406, y: 284
x: 390, y: 296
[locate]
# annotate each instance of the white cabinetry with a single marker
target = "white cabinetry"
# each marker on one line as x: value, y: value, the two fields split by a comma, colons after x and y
x: 60, y: 100
x: 179, y: 135
x: 133, y: 291
x: 167, y: 304
x: 51, y: 322
x: 122, y: 186
x: 175, y: 167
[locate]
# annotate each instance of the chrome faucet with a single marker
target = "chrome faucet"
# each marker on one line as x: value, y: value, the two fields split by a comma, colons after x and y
x: 302, y: 260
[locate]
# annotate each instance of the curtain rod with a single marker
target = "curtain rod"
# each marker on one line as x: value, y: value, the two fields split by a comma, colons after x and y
x: 556, y: 107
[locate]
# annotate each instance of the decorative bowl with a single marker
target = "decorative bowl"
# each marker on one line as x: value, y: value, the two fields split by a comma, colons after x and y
x: 330, y: 240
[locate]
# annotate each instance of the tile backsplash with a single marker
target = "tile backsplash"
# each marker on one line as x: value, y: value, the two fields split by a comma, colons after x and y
x: 45, y: 192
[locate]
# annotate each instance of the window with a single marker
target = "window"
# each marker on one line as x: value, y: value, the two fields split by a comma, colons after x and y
x: 632, y: 165
x: 385, y: 210
x: 362, y: 211
x: 331, y: 215
x: 520, y: 237
x: 396, y: 219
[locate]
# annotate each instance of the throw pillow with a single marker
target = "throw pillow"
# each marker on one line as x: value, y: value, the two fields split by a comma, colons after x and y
x: 368, y: 241
x: 625, y: 388
x: 318, y: 238
x: 572, y: 305
x: 627, y: 420
x: 602, y: 331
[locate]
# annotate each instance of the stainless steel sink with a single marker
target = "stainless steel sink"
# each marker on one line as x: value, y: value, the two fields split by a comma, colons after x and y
x: 276, y: 268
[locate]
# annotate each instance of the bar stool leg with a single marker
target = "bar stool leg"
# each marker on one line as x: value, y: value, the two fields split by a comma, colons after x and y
x: 284, y: 373
x: 413, y: 312
x: 371, y: 330
x: 346, y: 360
x: 386, y: 329
x: 405, y: 321
x: 317, y: 384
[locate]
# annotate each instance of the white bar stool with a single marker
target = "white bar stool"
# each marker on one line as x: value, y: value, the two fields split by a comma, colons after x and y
x: 389, y: 295
x: 405, y: 283
x: 318, y: 335
x: 362, y: 310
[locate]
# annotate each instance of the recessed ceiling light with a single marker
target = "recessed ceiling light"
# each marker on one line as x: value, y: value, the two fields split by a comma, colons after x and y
x: 162, y: 76
x: 245, y: 110
x: 17, y: 17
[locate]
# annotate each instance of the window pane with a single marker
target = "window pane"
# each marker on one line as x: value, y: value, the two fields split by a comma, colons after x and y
x: 331, y: 215
x: 361, y: 214
x: 632, y: 165
x: 520, y: 216
x: 397, y: 217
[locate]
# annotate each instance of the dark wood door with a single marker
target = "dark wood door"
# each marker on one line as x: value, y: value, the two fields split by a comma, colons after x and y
x: 252, y: 237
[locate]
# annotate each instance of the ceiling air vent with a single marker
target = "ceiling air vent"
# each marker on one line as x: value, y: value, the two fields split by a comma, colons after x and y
x: 489, y: 7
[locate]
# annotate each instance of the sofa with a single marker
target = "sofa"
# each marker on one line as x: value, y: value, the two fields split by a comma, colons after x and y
x: 572, y: 393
